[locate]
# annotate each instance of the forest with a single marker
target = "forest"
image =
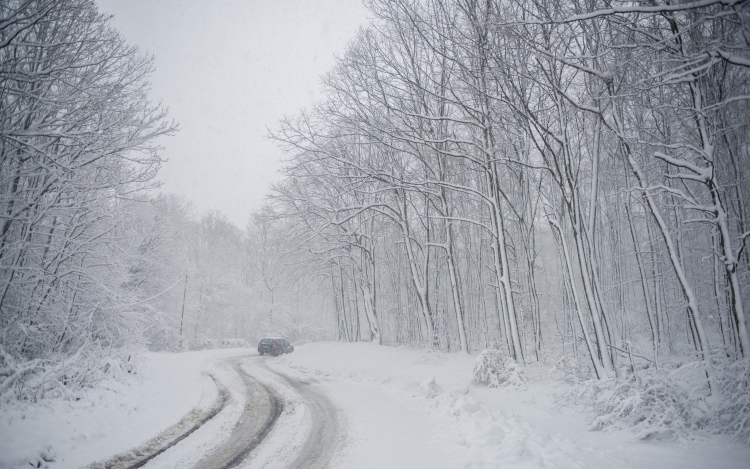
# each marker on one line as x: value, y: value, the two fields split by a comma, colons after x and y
x: 564, y: 181
x: 535, y: 176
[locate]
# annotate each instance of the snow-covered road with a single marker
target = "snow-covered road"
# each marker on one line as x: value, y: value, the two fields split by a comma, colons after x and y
x: 325, y: 431
x: 245, y: 415
x: 262, y: 410
x: 329, y: 405
x: 284, y: 422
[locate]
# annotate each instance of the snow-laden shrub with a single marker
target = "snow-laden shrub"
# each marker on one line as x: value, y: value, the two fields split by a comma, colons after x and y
x: 730, y: 411
x: 486, y: 368
x: 654, y: 408
x: 493, y: 369
x: 570, y: 369
x: 63, y: 377
x: 675, y: 405
x: 163, y: 332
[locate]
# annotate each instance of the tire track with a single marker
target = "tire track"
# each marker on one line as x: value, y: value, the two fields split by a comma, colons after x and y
x: 262, y: 410
x: 138, y: 457
x: 263, y: 407
x: 325, y: 434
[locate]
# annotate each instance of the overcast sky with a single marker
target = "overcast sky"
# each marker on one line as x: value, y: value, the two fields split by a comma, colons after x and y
x: 228, y: 70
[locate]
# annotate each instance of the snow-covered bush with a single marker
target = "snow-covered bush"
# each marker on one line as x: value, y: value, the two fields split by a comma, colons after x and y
x: 674, y: 405
x: 730, y: 413
x: 63, y: 377
x: 571, y: 369
x: 486, y: 368
x: 654, y: 407
x: 162, y: 334
x: 493, y: 369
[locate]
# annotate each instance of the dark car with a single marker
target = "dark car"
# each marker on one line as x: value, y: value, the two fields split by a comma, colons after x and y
x: 274, y: 346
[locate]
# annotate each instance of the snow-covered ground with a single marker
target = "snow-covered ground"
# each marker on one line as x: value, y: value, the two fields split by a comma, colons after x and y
x: 403, y: 408
x: 110, y: 419
x: 416, y: 409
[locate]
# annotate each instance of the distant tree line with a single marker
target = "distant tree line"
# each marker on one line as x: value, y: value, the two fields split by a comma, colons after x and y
x: 203, y: 279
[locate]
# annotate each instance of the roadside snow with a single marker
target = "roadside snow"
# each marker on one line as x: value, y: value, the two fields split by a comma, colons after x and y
x: 415, y: 408
x: 386, y: 430
x: 110, y: 419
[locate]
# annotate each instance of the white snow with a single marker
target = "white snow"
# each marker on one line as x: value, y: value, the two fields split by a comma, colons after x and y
x: 217, y: 430
x: 454, y: 424
x: 402, y: 408
x: 110, y: 419
x: 290, y: 431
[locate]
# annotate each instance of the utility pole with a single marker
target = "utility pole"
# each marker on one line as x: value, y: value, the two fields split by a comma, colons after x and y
x: 182, y: 316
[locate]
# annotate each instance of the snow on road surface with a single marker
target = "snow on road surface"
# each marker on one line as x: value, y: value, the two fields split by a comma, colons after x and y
x: 394, y: 408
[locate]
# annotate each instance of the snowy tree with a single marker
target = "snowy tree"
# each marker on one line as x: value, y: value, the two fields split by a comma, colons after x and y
x: 76, y: 133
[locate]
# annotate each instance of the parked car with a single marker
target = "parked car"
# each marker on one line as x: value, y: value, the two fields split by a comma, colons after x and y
x: 274, y: 346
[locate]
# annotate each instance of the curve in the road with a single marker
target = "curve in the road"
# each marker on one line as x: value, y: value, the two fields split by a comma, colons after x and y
x: 324, y: 437
x: 262, y: 409
x: 138, y: 457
